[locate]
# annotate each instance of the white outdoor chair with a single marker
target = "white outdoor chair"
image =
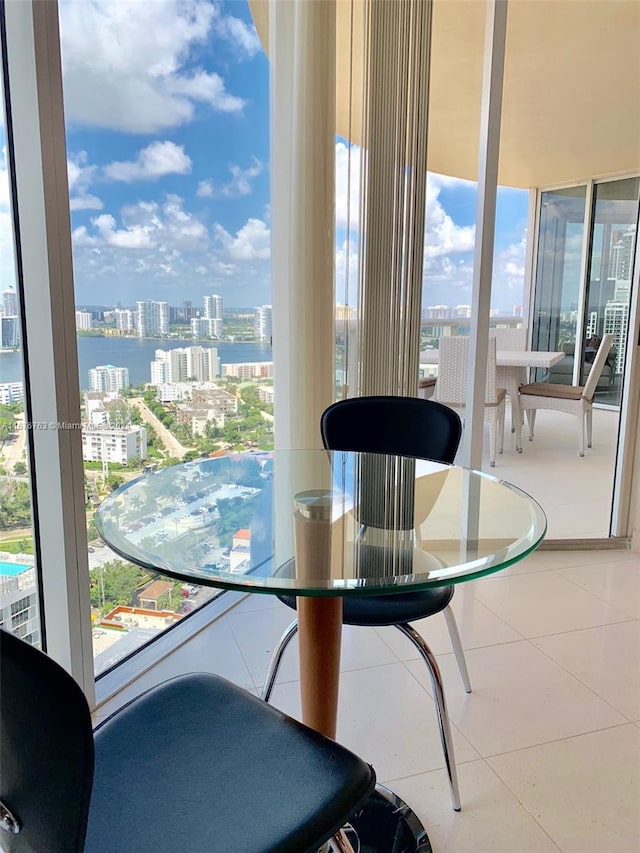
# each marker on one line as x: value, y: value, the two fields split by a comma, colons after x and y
x: 451, y: 388
x: 573, y: 399
x: 510, y: 339
x: 426, y: 387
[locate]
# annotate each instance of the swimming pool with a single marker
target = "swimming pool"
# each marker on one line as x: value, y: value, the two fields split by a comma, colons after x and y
x: 13, y: 568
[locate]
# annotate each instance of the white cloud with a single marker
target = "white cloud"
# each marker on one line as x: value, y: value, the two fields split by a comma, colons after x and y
x: 238, y: 186
x: 251, y: 242
x: 442, y: 235
x: 205, y: 189
x: 130, y: 66
x: 80, y: 176
x: 239, y: 34
x: 154, y: 161
x: 165, y: 227
x: 508, y: 273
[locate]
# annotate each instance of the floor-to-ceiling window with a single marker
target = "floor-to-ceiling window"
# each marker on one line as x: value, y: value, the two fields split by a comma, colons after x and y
x: 166, y: 114
x: 19, y: 599
x: 584, y: 265
x: 608, y: 280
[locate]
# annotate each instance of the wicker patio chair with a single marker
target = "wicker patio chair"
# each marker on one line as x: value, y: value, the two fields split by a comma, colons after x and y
x: 452, y: 386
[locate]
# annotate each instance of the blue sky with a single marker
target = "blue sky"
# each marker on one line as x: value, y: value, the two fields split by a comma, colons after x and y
x: 167, y: 110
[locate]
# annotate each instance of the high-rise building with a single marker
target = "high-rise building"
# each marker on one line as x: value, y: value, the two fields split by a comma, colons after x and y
x: 344, y: 312
x: 592, y: 325
x: 125, y: 319
x: 616, y: 323
x: 9, y: 332
x: 84, y: 320
x: 206, y: 327
x: 213, y: 307
x: 153, y: 318
x: 621, y: 256
x: 9, y: 302
x: 185, y: 363
x: 203, y: 363
x: 263, y: 323
x: 438, y: 312
x: 106, y: 377
x: 462, y: 311
x: 518, y: 310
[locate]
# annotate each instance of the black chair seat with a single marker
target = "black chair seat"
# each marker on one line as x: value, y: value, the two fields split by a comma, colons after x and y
x: 195, y: 765
x: 206, y: 755
x: 378, y: 610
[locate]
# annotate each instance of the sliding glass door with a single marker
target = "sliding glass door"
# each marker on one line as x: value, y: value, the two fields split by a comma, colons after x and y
x: 584, y: 271
x: 608, y: 285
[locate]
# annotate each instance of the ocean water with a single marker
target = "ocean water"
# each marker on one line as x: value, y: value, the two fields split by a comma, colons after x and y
x: 135, y: 354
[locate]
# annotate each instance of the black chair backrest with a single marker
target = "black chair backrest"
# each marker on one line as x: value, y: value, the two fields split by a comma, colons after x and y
x: 405, y: 426
x: 46, y: 751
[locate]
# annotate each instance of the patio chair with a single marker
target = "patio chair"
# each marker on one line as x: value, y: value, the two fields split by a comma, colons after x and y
x: 406, y: 426
x: 427, y: 387
x: 195, y: 764
x: 510, y: 339
x: 573, y: 399
x: 451, y: 389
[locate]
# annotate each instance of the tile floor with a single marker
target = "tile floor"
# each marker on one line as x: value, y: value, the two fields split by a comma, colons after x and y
x: 575, y: 492
x: 547, y: 744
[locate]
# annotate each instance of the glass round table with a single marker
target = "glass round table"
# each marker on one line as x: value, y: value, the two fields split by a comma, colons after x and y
x: 322, y: 526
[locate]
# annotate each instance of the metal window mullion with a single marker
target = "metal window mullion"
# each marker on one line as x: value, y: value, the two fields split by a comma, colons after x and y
x: 490, y: 121
x: 622, y: 523
x: 37, y: 155
x: 587, y: 244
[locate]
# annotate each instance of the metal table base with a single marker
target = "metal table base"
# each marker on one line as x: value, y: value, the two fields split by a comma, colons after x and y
x: 386, y: 824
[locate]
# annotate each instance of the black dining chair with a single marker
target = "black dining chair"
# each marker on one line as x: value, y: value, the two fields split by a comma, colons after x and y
x: 421, y: 429
x: 195, y: 764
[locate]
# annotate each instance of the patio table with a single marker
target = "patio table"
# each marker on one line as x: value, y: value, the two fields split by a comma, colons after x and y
x: 511, y: 373
x: 300, y: 513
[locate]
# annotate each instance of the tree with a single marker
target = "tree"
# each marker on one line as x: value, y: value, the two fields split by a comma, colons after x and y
x: 19, y: 469
x: 113, y: 481
x: 7, y: 422
x: 114, y: 583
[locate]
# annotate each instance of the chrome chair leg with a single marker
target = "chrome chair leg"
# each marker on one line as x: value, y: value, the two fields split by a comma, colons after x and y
x: 276, y: 658
x: 457, y: 647
x: 441, y: 708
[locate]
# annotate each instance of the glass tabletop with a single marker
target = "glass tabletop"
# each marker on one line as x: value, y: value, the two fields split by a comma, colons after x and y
x: 320, y: 523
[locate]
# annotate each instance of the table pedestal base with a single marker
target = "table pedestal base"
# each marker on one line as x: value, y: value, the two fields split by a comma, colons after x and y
x: 385, y: 824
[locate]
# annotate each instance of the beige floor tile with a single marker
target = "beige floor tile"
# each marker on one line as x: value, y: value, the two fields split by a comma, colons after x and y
x: 520, y: 698
x: 544, y: 603
x: 616, y: 582
x: 491, y: 821
x: 605, y: 659
x: 532, y: 563
x: 584, y: 791
x: 255, y: 601
x: 565, y: 559
x: 476, y: 624
x: 386, y: 718
x: 258, y: 632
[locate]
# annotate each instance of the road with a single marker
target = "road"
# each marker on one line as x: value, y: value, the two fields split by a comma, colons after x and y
x: 168, y: 439
x: 13, y: 447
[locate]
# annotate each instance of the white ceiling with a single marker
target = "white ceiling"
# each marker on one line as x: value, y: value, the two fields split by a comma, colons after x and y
x: 571, y: 103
